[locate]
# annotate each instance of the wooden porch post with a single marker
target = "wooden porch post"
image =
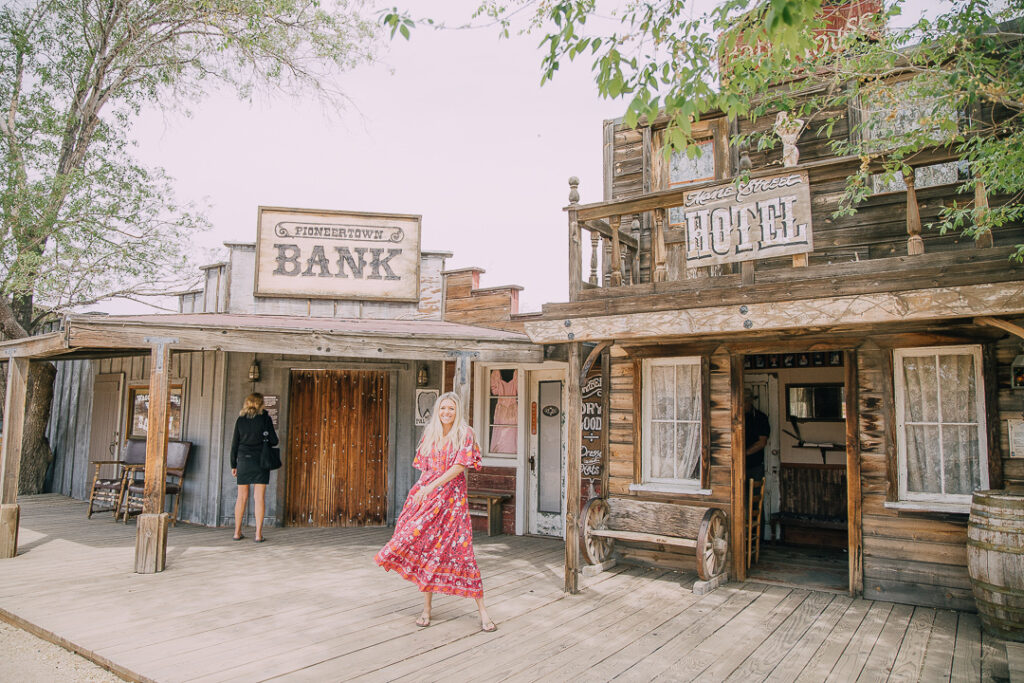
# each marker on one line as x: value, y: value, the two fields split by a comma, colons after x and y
x: 574, y: 408
x: 854, y: 508
x: 739, y: 469
x: 10, y: 456
x: 151, y: 533
x: 460, y: 384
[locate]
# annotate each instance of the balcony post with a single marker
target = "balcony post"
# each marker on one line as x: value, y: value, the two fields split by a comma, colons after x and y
x: 915, y: 244
x: 658, y: 243
x: 615, y: 223
x: 594, y: 246
x: 634, y: 230
x: 575, y: 246
x: 985, y: 240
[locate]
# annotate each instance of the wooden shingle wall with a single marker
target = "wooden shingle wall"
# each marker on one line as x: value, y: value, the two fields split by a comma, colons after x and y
x: 624, y: 448
x: 919, y: 558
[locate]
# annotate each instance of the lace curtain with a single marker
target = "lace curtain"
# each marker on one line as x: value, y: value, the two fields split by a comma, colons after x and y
x: 942, y: 431
x: 675, y: 445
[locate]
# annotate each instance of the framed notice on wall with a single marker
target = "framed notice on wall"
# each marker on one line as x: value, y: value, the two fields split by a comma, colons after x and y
x: 273, y: 408
x: 314, y: 254
x: 1015, y: 430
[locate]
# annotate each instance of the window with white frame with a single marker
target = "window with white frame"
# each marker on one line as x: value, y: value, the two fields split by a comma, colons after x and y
x: 672, y: 415
x: 940, y: 422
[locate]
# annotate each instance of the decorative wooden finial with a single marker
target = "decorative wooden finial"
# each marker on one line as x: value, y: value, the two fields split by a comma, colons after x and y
x: 915, y: 245
x: 745, y: 163
x: 574, y: 192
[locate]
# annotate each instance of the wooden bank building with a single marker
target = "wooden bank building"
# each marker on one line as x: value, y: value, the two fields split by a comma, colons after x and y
x: 350, y: 331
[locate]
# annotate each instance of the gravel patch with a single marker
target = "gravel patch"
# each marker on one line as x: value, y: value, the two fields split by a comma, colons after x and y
x: 29, y: 659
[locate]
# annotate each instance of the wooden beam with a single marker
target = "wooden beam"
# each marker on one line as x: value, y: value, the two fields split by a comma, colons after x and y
x: 573, y: 426
x: 854, y: 506
x: 40, y: 346
x: 10, y: 454
x: 606, y: 411
x: 1005, y: 325
x: 739, y: 469
x: 938, y: 303
x: 151, y: 534
x: 591, y: 357
x: 615, y: 278
x: 295, y: 342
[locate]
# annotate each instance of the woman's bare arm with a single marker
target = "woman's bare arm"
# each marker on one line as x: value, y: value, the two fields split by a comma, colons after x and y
x: 450, y: 473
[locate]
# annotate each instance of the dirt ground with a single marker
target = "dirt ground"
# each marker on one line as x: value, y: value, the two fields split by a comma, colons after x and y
x: 24, y: 658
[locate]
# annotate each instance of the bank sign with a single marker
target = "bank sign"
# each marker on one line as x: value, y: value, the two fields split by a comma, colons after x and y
x: 762, y: 218
x: 337, y: 255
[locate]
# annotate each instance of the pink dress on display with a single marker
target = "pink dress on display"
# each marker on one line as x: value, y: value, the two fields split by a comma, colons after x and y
x: 433, y: 542
x: 504, y: 427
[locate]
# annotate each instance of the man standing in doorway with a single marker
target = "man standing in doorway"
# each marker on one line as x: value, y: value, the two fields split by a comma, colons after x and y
x: 757, y: 429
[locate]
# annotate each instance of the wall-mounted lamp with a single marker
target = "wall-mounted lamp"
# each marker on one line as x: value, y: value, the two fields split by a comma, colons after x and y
x: 422, y: 376
x: 1017, y: 373
x: 254, y: 371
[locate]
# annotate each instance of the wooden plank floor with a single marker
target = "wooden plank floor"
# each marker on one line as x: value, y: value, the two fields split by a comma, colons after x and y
x: 310, y: 605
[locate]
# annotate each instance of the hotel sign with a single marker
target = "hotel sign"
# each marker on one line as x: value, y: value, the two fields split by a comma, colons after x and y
x: 337, y: 255
x: 762, y: 218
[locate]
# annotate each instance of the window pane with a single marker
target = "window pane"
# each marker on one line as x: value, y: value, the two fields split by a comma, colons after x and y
x: 961, y: 459
x: 688, y: 451
x: 683, y: 169
x: 923, y: 459
x: 687, y: 392
x: 959, y: 390
x: 662, y: 450
x: 662, y: 390
x: 921, y: 387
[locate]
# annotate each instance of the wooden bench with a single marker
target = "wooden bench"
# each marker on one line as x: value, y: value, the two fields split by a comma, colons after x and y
x: 491, y: 502
x: 603, y: 521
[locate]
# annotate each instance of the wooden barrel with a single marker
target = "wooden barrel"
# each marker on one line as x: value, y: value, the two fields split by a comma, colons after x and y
x: 995, y: 561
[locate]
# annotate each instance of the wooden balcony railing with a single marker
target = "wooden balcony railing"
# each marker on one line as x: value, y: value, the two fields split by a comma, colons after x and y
x: 630, y: 239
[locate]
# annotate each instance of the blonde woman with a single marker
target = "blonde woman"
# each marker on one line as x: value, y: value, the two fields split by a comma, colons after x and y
x: 433, y: 541
x: 251, y: 428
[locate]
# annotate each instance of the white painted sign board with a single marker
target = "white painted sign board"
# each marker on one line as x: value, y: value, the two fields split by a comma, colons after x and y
x: 337, y: 255
x: 1015, y: 429
x: 762, y: 218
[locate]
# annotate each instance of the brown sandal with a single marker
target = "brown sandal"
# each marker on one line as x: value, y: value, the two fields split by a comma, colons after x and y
x: 423, y: 621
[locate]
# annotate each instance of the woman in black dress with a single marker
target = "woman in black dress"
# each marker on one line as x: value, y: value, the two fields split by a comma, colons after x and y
x: 251, y: 427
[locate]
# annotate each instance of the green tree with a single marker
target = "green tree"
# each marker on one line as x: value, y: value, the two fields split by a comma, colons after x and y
x: 747, y: 58
x: 81, y: 220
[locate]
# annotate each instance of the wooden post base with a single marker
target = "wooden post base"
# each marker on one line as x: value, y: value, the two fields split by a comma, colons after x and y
x: 10, y: 515
x: 151, y: 543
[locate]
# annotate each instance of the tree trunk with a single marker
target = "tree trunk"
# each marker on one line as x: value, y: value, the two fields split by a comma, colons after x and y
x: 36, y: 455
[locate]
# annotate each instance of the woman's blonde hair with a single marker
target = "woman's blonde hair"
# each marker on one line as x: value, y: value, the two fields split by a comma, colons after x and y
x: 433, y: 434
x: 253, y: 405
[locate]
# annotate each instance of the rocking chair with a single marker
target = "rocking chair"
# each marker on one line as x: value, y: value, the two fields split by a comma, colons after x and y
x: 177, y: 460
x: 109, y: 490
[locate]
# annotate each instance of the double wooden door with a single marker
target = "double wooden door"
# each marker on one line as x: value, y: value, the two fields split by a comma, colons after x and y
x: 337, y: 448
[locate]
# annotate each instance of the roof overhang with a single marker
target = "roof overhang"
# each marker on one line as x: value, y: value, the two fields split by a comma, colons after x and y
x: 936, y: 303
x: 328, y: 337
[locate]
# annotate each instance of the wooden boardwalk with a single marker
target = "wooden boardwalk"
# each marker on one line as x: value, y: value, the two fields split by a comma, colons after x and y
x: 310, y: 605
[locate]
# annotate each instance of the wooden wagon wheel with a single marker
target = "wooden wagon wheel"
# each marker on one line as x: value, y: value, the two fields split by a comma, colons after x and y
x: 712, y: 544
x: 596, y: 549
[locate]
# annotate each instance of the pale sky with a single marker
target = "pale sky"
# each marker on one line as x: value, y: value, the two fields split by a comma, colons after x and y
x: 453, y: 126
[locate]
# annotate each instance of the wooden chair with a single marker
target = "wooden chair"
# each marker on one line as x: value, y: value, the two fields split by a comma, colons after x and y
x: 177, y: 460
x: 110, y: 490
x: 755, y: 503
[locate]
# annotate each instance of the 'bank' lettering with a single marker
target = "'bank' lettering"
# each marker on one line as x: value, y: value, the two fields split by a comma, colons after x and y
x: 287, y: 259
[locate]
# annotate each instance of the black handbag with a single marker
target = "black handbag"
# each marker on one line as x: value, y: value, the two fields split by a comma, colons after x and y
x: 270, y: 456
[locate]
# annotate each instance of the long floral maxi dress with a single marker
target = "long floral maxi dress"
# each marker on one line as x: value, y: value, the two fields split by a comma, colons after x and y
x: 433, y: 542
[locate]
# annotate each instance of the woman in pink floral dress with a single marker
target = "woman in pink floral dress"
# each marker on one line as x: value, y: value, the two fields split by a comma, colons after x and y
x: 433, y: 541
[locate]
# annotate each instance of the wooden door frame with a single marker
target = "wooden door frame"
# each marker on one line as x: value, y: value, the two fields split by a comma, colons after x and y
x: 854, y: 529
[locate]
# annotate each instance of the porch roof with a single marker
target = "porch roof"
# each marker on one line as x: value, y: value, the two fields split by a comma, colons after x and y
x: 292, y: 335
